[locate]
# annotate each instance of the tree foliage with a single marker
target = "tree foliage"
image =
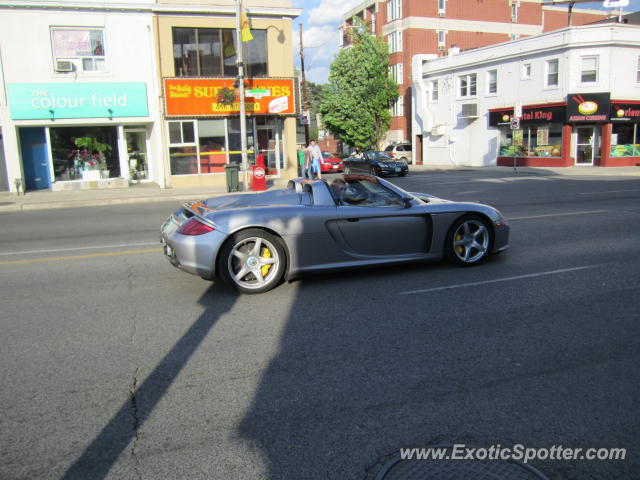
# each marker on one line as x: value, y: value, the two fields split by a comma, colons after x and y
x: 355, y: 102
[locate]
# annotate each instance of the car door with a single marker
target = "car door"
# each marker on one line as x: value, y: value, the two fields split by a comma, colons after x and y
x: 385, y: 229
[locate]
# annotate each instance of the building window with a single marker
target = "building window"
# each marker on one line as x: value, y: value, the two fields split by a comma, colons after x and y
x: 211, y: 52
x: 395, y: 42
x: 78, y: 49
x: 373, y: 22
x: 514, y: 11
x: 532, y: 141
x: 467, y: 85
x: 492, y: 82
x: 442, y: 8
x: 394, y: 10
x: 442, y: 39
x: 589, y: 69
x: 397, y: 107
x: 183, y: 152
x: 526, y: 71
x: 434, y: 91
x: 397, y: 73
x: 514, y: 36
x: 552, y: 73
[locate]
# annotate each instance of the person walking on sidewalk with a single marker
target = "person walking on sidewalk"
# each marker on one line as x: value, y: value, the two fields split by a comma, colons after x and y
x: 302, y: 163
x: 314, y: 160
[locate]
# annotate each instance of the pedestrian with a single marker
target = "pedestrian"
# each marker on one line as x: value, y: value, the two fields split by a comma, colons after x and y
x: 301, y: 160
x: 314, y: 160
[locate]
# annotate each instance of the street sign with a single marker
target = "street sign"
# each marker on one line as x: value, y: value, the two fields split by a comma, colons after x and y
x: 517, y: 110
x: 615, y: 3
x: 515, y: 123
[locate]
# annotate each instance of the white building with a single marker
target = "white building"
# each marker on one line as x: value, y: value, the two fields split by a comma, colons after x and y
x: 79, y: 103
x: 576, y: 92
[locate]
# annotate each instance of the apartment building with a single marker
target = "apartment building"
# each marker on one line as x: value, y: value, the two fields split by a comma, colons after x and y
x: 563, y: 98
x: 434, y: 26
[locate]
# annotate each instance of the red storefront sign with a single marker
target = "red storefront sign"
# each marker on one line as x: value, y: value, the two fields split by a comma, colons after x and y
x: 200, y: 97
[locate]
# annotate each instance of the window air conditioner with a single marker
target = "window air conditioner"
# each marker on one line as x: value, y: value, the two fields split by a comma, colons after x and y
x: 469, y: 110
x: 64, y: 66
x: 439, y: 130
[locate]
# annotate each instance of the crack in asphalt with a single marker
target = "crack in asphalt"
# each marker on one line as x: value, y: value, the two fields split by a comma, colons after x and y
x: 133, y: 399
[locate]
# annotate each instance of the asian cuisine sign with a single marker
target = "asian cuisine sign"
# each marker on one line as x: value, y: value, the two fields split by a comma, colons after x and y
x: 203, y: 97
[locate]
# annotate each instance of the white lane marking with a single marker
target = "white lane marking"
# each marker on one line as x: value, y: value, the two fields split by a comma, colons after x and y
x: 608, y: 191
x: 563, y: 214
x: 496, y: 280
x: 72, y: 249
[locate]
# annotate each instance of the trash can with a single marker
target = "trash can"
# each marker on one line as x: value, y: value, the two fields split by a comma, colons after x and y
x: 231, y: 169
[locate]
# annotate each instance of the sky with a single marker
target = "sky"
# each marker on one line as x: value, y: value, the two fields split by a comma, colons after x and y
x: 320, y: 20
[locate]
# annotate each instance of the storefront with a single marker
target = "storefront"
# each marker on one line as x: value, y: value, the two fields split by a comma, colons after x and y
x: 587, y: 129
x: 81, y: 135
x: 203, y: 126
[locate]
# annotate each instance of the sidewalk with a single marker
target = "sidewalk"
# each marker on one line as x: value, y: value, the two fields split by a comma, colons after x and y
x: 145, y: 193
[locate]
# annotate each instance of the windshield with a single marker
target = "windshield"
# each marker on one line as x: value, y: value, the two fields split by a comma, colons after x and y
x: 379, y: 156
x: 327, y: 155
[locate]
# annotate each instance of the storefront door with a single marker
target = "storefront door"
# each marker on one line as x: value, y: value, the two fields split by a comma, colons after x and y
x: 35, y: 163
x: 268, y: 134
x: 585, y: 145
x: 137, y: 152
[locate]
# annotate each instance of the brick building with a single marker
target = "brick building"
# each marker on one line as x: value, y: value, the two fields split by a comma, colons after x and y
x: 434, y: 26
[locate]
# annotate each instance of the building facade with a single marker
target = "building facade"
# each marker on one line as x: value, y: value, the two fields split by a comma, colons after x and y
x: 79, y: 106
x: 434, y: 26
x: 568, y: 97
x: 115, y: 93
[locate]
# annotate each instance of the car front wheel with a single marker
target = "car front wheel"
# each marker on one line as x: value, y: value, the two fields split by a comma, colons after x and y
x: 469, y: 241
x: 252, y: 261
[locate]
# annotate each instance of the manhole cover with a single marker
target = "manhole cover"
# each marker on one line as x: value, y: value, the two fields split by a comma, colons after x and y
x: 398, y: 469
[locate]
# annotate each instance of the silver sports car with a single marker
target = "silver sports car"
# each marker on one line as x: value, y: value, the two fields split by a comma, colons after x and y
x: 253, y: 241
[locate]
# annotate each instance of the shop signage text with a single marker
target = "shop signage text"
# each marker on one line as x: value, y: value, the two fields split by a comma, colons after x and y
x: 588, y: 107
x: 530, y: 115
x: 199, y: 97
x: 625, y: 112
x: 50, y: 101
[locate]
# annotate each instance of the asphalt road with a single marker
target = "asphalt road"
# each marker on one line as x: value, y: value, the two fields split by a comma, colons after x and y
x: 116, y: 365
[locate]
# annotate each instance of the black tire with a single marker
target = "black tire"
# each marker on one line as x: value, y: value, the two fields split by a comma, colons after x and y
x: 403, y: 173
x: 469, y: 241
x: 263, y: 269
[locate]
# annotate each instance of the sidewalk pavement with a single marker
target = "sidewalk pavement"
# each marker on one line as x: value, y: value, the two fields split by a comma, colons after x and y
x: 149, y: 192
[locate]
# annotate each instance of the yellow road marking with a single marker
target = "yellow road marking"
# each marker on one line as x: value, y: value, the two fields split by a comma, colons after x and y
x: 77, y: 257
x: 564, y: 214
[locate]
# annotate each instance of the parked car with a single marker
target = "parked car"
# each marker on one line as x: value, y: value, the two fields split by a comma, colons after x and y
x: 399, y: 151
x: 254, y: 241
x: 330, y: 163
x: 375, y: 163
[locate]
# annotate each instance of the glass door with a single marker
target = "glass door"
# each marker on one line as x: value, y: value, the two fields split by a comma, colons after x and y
x: 585, y: 145
x: 137, y: 152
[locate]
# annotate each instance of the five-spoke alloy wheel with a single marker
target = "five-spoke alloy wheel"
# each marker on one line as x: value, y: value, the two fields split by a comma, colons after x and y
x: 252, y: 261
x: 469, y: 241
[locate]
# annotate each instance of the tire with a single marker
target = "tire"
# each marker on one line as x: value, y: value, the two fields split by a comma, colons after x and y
x: 402, y: 174
x: 252, y: 261
x: 469, y: 241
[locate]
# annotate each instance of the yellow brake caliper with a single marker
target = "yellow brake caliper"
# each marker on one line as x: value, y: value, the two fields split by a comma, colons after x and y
x: 459, y: 248
x: 266, y: 253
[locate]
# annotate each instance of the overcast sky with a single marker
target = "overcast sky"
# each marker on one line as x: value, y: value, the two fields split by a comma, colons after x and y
x: 320, y: 20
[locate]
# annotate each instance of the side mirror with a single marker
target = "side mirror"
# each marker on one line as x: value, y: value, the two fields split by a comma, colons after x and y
x: 407, y: 201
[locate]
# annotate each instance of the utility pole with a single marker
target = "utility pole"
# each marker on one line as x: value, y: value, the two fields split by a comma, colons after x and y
x: 305, y: 105
x: 243, y: 116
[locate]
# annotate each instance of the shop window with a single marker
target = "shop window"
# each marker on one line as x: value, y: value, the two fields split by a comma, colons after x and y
x: 78, y: 50
x: 492, y: 82
x: 183, y: 152
x: 211, y: 52
x: 212, y: 143
x: 552, y: 73
x: 532, y: 141
x: 625, y: 140
x: 84, y: 153
x: 589, y: 69
x: 467, y: 85
x: 235, y: 145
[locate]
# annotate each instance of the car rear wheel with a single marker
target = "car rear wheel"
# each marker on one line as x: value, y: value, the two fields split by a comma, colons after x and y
x: 469, y: 241
x: 252, y: 261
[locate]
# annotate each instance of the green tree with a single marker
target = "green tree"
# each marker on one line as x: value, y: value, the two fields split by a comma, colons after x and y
x: 355, y: 102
